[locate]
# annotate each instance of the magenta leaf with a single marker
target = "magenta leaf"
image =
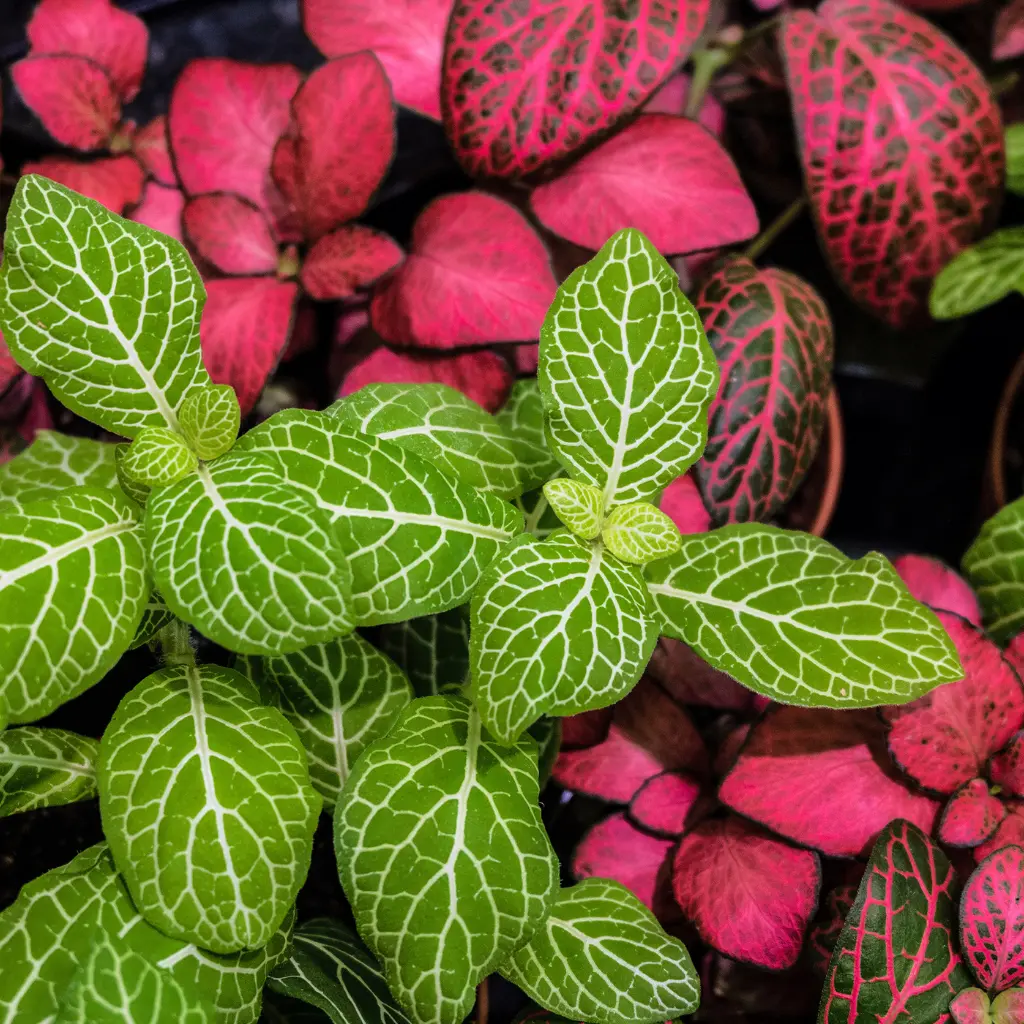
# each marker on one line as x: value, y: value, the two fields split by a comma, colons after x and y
x: 346, y: 260
x: 116, y: 182
x: 671, y: 99
x: 992, y: 920
x: 821, y: 939
x: 669, y: 803
x: 886, y: 109
x: 772, y: 336
x: 244, y: 331
x: 151, y: 147
x: 525, y: 85
x: 896, y: 956
x: 822, y: 778
x: 585, y: 729
x: 406, y: 35
x: 971, y: 1006
x: 231, y: 234
x: 1009, y: 833
x: 689, y: 679
x: 945, y: 738
x: 729, y: 748
x: 1006, y: 768
x: 971, y: 815
x: 682, y: 503
x: 1008, y: 31
x: 10, y: 371
x: 161, y: 208
x: 665, y: 175
x: 933, y: 583
x: 476, y: 273
x: 749, y: 895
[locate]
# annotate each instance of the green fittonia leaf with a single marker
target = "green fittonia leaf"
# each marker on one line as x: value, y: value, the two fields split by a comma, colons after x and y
x: 54, y: 462
x: 601, y: 956
x: 158, y: 457
x: 432, y: 650
x: 442, y: 426
x: 522, y: 418
x: 1015, y: 158
x: 44, y: 768
x: 339, y: 697
x: 626, y: 373
x: 548, y: 734
x: 207, y: 806
x: 994, y: 566
x: 980, y: 275
x: 154, y: 618
x: 106, y: 311
x: 72, y: 590
x: 580, y: 506
x: 417, y: 540
x: 250, y: 562
x: 559, y: 626
x: 640, y: 533
x: 139, y: 493
x: 791, y: 617
x: 209, y: 418
x: 443, y: 855
x: 328, y: 967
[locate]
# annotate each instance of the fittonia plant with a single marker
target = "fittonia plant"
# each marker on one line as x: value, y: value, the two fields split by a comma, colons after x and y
x: 392, y: 509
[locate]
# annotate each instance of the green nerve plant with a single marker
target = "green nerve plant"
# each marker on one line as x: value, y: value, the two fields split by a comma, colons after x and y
x: 393, y: 509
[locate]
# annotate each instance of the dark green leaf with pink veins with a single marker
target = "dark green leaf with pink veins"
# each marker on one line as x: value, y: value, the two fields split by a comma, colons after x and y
x: 896, y: 957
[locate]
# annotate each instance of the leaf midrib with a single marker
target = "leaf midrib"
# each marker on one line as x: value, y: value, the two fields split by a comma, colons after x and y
x: 55, y: 555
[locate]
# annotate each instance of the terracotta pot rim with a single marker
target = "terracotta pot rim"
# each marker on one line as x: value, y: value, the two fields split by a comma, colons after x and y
x: 836, y: 449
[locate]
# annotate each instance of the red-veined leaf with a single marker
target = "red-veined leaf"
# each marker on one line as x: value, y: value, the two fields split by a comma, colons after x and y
x: 161, y: 208
x: 749, y: 895
x: 116, y: 182
x: 72, y: 97
x: 665, y: 175
x: 152, y: 148
x: 772, y: 336
x: 1008, y: 31
x: 992, y: 920
x: 1009, y: 833
x: 682, y: 503
x: 901, y: 143
x: 689, y: 679
x: 525, y: 85
x: 896, y: 956
x: 669, y: 803
x: 971, y: 1006
x: 245, y: 328
x: 587, y: 728
x: 945, y: 738
x: 671, y: 99
x: 1006, y: 767
x: 231, y: 234
x: 406, y: 35
x: 821, y: 939
x: 348, y: 259
x: 822, y: 778
x: 476, y: 273
x: 933, y: 583
x: 971, y: 815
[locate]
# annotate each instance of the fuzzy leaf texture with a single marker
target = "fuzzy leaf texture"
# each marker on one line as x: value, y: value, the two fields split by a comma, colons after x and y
x: 45, y: 768
x: 105, y: 311
x: 640, y: 533
x: 580, y: 506
x: 792, y: 618
x: 979, y: 276
x: 994, y: 566
x: 53, y: 463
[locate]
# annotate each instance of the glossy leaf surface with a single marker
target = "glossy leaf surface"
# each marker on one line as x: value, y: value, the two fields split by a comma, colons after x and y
x: 994, y: 566
x: 45, y: 768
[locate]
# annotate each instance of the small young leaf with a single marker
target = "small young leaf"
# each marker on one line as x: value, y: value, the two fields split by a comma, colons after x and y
x: 992, y: 920
x: 226, y: 776
x: 128, y: 350
x: 580, y: 506
x: 626, y: 373
x: 157, y: 457
x: 209, y: 418
x: 139, y: 493
x: 971, y: 1006
x: 443, y: 855
x: 980, y: 275
x: 668, y: 803
x: 1015, y: 153
x: 602, y: 956
x: 994, y: 566
x: 754, y: 601
x: 1008, y: 1007
x: 279, y: 580
x: 45, y: 768
x: 53, y: 463
x: 640, y: 533
x: 558, y: 627
x: 971, y: 815
x: 522, y: 418
x: 433, y: 650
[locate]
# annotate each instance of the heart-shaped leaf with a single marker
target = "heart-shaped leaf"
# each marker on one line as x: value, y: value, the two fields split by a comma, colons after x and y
x: 971, y: 815
x: 116, y: 182
x: 994, y: 566
x: 45, y: 768
x: 53, y: 463
x: 980, y: 275
x: 230, y: 233
x: 933, y: 583
x: 992, y: 920
x: 346, y: 260
x: 432, y: 650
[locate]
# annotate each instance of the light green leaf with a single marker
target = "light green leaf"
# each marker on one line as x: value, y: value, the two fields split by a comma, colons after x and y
x: 158, y: 457
x: 1015, y: 158
x: 209, y: 418
x: 206, y: 803
x: 640, y: 533
x: 443, y: 855
x: 794, y: 619
x: 440, y: 425
x: 106, y: 311
x: 54, y: 462
x: 539, y: 518
x: 432, y: 650
x: 45, y: 768
x: 251, y: 563
x: 154, y: 618
x: 417, y: 541
x: 980, y: 275
x: 994, y: 566
x: 558, y: 627
x: 522, y: 418
x: 580, y: 506
x: 72, y: 590
x: 331, y: 969
x: 626, y: 373
x: 339, y: 697
x: 601, y: 956
x: 138, y: 493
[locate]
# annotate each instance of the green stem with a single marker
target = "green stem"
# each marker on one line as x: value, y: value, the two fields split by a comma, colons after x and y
x: 758, y: 246
x: 176, y: 644
x: 706, y: 64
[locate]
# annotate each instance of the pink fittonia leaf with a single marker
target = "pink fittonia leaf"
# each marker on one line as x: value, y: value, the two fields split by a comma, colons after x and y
x: 1006, y: 768
x: 116, y: 182
x: 161, y: 209
x: 1014, y: 653
x: 944, y: 739
x: 525, y: 85
x: 934, y: 583
x: 344, y: 139
x: 1008, y: 1007
x: 668, y: 803
x: 1008, y: 31
x: 1009, y: 833
x: 476, y: 273
x: 587, y: 728
x: 483, y: 376
x: 114, y: 39
x: 971, y: 815
x: 887, y: 109
x: 772, y: 336
x: 896, y: 956
x: 346, y: 260
x: 231, y: 234
x: 152, y: 148
x: 671, y: 99
x: 244, y: 330
x: 225, y: 119
x: 665, y: 175
x: 10, y: 371
x: 992, y: 920
x: 749, y: 895
x: 971, y: 1006
x: 822, y: 778
x: 689, y: 679
x: 729, y: 748
x: 406, y: 35
x: 821, y: 939
x: 526, y: 358
x: 72, y: 97
x: 682, y: 503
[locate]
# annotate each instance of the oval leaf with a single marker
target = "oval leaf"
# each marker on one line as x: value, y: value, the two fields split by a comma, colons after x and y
x: 971, y: 815
x: 667, y: 803
x: 580, y: 506
x: 994, y: 566
x: 45, y: 768
x: 231, y: 233
x: 53, y: 463
x: 158, y: 457
x: 992, y: 920
x: 980, y: 275
x: 210, y: 418
x: 640, y: 533
x: 346, y: 260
